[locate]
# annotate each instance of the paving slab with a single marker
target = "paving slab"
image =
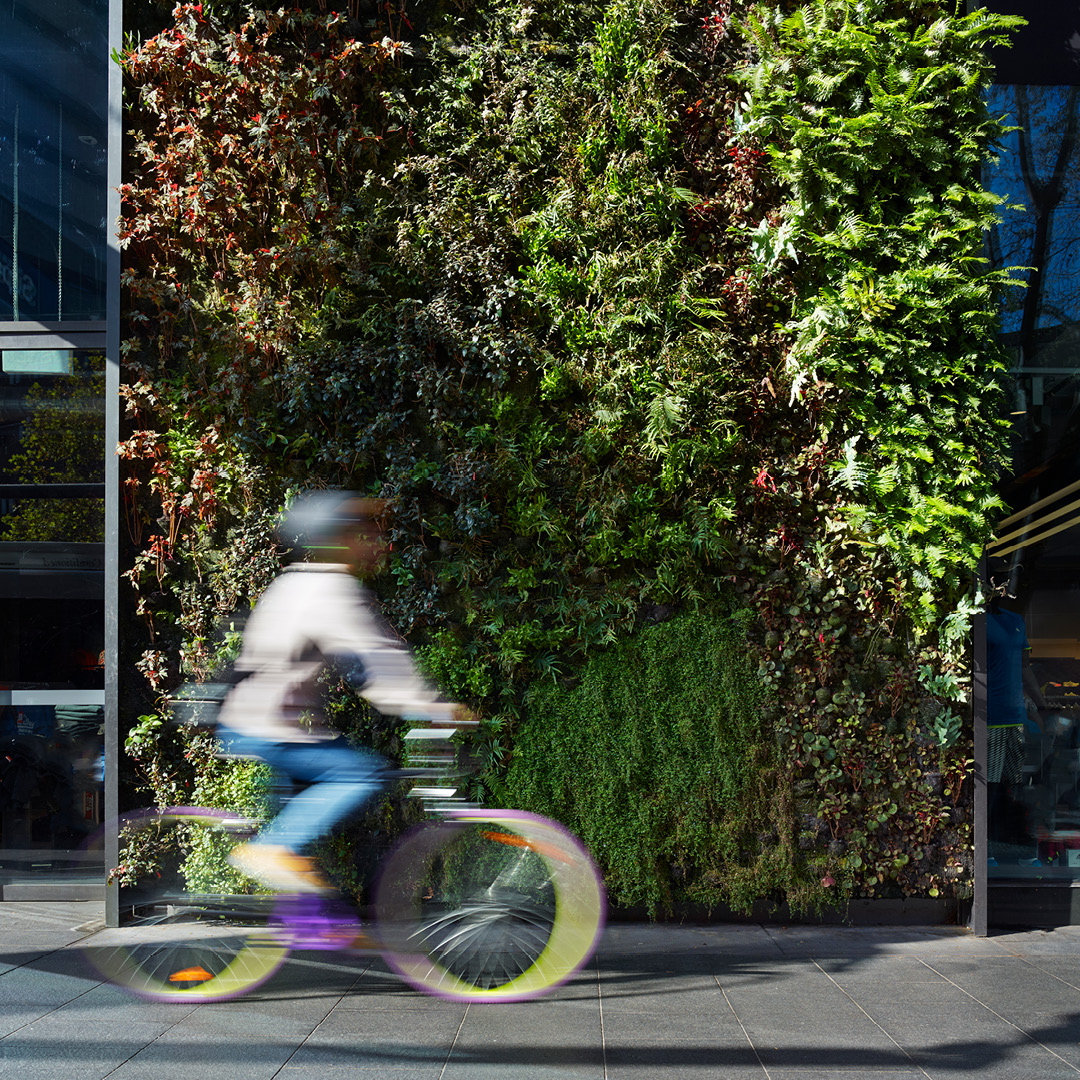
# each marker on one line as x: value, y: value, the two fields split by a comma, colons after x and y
x: 694, y: 1062
x: 873, y: 1072
x: 377, y: 1039
x: 323, y: 1071
x: 739, y: 1002
x: 53, y: 1047
x: 176, y: 1055
x: 558, y: 1036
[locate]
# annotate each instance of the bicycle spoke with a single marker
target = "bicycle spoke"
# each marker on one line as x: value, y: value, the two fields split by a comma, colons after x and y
x: 478, y: 908
x: 183, y: 942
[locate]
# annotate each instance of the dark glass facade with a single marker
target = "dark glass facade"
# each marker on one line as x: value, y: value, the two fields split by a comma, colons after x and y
x: 57, y: 251
x: 54, y: 60
x: 52, y: 519
x: 1031, y: 630
x: 52, y: 619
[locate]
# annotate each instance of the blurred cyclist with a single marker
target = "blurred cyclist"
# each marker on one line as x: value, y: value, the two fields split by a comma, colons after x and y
x: 316, y: 613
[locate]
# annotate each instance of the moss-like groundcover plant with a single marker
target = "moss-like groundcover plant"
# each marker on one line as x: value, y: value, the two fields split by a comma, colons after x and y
x: 665, y: 329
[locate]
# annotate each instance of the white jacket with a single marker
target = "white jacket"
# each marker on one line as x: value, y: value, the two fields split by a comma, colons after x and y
x: 308, y: 615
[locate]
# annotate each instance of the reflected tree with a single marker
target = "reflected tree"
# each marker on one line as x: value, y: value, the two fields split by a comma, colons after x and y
x: 63, y: 442
x: 1040, y: 169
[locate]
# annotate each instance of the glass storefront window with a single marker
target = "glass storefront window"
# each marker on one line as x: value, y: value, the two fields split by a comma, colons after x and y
x: 1039, y: 174
x: 52, y: 447
x: 1033, y: 733
x: 51, y: 790
x: 54, y: 59
x: 1033, y: 625
x: 52, y: 611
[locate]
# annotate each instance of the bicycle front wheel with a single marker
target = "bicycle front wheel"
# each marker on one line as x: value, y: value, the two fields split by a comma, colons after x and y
x: 197, y: 929
x: 492, y: 905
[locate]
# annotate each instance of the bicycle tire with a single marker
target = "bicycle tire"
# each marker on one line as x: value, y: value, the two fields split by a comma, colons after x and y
x: 198, y: 929
x: 489, y: 905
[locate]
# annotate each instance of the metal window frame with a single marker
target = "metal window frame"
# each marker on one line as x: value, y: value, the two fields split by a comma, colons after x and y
x: 62, y: 335
x: 112, y: 462
x: 980, y: 901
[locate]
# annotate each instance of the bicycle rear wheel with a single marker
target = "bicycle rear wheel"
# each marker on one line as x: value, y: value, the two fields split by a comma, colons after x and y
x: 198, y: 929
x: 493, y: 905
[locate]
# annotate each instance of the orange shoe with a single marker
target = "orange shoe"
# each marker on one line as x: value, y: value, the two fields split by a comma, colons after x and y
x: 279, y: 867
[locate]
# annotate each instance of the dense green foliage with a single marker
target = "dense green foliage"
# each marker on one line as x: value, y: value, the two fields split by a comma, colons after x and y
x: 876, y: 128
x: 659, y: 760
x: 626, y: 307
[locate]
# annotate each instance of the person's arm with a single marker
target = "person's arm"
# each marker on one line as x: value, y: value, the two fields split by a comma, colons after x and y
x: 348, y: 628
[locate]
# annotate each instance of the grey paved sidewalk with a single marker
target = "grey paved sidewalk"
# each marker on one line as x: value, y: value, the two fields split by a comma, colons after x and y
x: 679, y: 1002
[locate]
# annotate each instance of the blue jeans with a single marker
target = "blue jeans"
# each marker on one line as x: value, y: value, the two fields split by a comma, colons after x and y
x: 341, y: 780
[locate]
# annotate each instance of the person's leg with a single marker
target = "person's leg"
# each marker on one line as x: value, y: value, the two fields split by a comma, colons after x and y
x: 341, y: 779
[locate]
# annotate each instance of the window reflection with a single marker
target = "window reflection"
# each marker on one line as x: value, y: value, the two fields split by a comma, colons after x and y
x: 54, y: 57
x: 1033, y: 625
x: 53, y: 139
x: 52, y: 613
x: 1033, y: 738
x: 52, y: 451
x: 52, y: 520
x: 1039, y: 174
x: 51, y: 785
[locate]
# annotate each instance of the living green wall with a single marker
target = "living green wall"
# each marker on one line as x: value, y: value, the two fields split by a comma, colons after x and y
x: 659, y: 760
x: 632, y: 311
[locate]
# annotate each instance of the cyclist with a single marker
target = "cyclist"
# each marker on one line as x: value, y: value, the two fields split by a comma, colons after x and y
x: 316, y: 612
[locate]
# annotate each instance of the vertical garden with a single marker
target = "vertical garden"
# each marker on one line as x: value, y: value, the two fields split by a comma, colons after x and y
x: 667, y: 332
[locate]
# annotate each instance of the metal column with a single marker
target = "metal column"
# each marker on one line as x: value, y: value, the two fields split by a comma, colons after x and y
x: 980, y: 900
x: 112, y: 464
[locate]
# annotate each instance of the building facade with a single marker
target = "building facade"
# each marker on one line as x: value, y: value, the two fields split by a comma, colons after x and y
x: 59, y: 343
x: 1027, y: 647
x: 60, y: 127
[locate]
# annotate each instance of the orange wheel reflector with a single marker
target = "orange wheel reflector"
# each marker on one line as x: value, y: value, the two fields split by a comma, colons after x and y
x: 550, y: 851
x: 192, y: 974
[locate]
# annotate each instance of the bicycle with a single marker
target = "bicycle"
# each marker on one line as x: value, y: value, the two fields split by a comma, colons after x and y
x: 477, y: 905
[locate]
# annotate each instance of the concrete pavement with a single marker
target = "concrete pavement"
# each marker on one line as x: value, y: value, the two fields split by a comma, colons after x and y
x: 679, y: 1002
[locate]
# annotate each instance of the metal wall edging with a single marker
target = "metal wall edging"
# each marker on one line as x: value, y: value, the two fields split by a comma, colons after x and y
x: 43, y: 329
x: 980, y: 902
x: 52, y: 697
x: 112, y: 462
x: 56, y: 341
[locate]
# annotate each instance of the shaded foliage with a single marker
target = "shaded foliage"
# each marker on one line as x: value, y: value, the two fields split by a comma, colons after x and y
x: 659, y: 761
